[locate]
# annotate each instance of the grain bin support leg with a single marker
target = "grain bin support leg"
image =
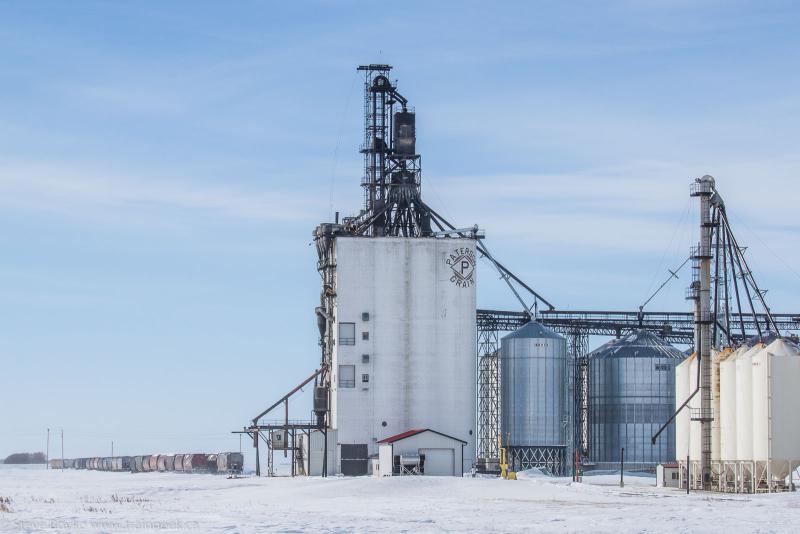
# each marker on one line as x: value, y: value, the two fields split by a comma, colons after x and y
x: 258, y: 456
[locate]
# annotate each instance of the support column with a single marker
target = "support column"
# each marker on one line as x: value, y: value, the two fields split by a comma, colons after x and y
x: 703, y: 188
x: 488, y: 363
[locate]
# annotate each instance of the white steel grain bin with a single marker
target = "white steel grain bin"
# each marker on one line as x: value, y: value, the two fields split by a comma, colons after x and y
x: 695, y: 428
x: 776, y: 432
x: 727, y: 410
x: 716, y: 433
x: 744, y: 403
x: 682, y: 419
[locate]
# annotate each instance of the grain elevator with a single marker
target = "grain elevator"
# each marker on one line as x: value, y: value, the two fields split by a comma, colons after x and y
x: 412, y: 378
x: 397, y: 308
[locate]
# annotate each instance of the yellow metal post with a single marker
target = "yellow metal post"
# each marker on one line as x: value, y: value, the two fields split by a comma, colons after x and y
x: 505, y: 472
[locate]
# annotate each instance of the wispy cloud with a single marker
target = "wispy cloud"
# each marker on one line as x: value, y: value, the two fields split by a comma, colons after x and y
x: 80, y: 193
x: 639, y: 208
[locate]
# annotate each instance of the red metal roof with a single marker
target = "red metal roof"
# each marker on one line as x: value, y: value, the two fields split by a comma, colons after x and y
x: 403, y: 435
x: 414, y: 432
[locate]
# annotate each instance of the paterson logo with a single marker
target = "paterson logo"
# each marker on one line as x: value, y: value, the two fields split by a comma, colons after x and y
x: 462, y: 262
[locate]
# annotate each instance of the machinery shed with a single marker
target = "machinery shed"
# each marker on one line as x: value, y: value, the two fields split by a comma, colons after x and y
x: 421, y: 452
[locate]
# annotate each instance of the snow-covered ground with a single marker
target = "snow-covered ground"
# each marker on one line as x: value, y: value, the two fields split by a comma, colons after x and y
x: 90, y: 501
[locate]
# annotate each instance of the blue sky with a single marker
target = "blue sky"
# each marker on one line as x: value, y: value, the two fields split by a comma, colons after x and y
x: 162, y: 166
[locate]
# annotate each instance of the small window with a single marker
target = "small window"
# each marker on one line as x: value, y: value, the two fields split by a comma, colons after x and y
x: 347, y: 333
x: 347, y: 376
x: 674, y: 476
x: 365, y: 336
x: 365, y: 317
x: 365, y: 358
x: 365, y: 378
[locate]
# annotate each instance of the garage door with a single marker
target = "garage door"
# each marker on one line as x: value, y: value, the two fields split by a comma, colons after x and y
x: 354, y: 460
x: 439, y: 462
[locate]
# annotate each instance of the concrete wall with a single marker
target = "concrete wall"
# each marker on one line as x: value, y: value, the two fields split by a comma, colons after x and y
x: 420, y: 297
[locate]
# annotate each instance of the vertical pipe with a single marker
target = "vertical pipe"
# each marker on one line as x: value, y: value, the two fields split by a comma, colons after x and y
x: 382, y: 157
x: 735, y: 283
x: 703, y: 331
x: 286, y: 428
x: 373, y: 155
x: 621, y: 467
x: 258, y: 456
x: 725, y: 274
x: 688, y: 475
x: 715, y: 308
x: 294, y: 458
x: 325, y: 452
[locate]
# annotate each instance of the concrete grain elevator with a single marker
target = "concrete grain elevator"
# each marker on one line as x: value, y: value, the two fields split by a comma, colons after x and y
x: 397, y: 312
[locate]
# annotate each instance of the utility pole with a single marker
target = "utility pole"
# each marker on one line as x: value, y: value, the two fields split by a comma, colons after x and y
x: 47, y: 459
x: 112, y: 448
x: 62, y: 448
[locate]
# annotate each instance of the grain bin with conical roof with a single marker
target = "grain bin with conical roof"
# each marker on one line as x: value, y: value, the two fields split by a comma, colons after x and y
x: 534, y: 413
x: 631, y: 394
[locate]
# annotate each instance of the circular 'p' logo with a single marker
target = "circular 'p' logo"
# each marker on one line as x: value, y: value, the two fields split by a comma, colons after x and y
x: 461, y: 261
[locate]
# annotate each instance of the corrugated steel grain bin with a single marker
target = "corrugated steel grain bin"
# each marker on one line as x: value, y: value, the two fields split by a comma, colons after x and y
x: 631, y: 394
x: 178, y: 462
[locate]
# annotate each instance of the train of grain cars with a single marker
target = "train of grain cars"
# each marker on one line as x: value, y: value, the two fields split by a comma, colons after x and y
x: 229, y: 463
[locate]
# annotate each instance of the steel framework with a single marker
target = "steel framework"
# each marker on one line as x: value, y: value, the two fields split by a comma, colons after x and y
x: 578, y: 387
x: 392, y: 168
x: 675, y: 327
x: 577, y: 326
x: 488, y: 406
x: 551, y: 458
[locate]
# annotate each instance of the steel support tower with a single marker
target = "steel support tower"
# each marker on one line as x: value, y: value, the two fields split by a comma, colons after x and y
x: 392, y: 168
x: 703, y: 189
